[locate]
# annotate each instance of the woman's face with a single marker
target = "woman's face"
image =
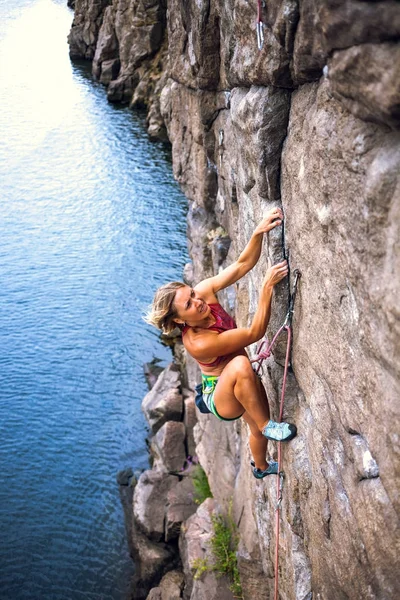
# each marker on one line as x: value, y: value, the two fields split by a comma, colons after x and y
x: 190, y: 306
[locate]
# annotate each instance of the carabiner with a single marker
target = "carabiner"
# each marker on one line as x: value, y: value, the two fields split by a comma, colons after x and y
x: 260, y: 35
x: 260, y: 27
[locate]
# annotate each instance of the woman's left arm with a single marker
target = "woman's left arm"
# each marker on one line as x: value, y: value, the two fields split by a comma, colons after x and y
x: 247, y: 259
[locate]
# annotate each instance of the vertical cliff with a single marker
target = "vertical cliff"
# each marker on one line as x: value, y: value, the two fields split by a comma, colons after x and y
x: 310, y: 122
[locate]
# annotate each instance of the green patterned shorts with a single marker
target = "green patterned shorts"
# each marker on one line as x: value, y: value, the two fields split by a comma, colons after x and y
x: 209, y: 383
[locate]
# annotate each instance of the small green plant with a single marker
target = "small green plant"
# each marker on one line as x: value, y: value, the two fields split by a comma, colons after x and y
x: 201, y: 566
x: 224, y: 545
x: 200, y: 484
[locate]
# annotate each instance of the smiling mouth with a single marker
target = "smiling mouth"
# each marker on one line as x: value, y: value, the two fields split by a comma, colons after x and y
x: 202, y: 307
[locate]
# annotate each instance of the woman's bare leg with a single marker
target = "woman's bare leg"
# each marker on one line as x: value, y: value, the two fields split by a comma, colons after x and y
x: 238, y: 390
x: 258, y: 443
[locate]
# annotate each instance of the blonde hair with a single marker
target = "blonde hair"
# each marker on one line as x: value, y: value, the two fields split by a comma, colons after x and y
x: 161, y: 312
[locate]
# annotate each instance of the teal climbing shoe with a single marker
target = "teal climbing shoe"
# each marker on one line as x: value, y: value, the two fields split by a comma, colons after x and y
x: 279, y: 432
x: 272, y: 469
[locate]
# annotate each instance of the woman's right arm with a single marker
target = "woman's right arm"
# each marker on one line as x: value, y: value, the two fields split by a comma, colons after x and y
x: 205, y: 344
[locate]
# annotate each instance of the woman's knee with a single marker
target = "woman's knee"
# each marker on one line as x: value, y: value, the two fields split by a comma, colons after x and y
x: 242, y: 367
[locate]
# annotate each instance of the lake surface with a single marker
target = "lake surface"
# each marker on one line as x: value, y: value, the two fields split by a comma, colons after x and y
x: 91, y: 222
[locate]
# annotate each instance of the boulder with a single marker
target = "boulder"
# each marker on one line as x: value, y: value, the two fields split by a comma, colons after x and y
x: 211, y: 587
x: 180, y: 506
x: 169, y: 588
x: 169, y: 445
x: 152, y: 371
x: 152, y: 560
x: 154, y: 594
x: 149, y: 502
x: 164, y: 401
x: 127, y: 481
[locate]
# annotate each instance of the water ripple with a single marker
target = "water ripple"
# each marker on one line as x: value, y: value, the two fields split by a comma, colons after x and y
x: 91, y: 223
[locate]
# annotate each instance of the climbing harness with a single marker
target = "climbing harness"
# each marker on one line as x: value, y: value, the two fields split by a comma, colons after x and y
x: 262, y: 354
x: 260, y: 25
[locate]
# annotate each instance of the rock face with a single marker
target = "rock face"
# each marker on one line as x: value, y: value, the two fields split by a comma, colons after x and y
x: 327, y: 152
x: 343, y: 383
x: 309, y: 123
x: 85, y: 28
x: 126, y: 39
x: 365, y: 79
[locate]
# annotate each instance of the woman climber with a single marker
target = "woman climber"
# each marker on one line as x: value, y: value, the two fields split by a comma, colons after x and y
x: 230, y: 387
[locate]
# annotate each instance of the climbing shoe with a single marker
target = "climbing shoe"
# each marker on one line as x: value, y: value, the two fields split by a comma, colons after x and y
x: 272, y: 469
x: 279, y: 432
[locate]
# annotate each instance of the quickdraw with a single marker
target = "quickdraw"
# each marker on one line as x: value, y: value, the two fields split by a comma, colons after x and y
x: 261, y: 356
x: 280, y: 496
x: 260, y: 25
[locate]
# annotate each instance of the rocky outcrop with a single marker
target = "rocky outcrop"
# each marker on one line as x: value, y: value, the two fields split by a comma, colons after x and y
x: 126, y: 39
x: 164, y: 506
x: 88, y: 18
x: 311, y: 123
x: 365, y: 79
x: 163, y: 497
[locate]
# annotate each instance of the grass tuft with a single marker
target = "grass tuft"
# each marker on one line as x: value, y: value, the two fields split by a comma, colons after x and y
x: 224, y: 545
x: 201, y: 486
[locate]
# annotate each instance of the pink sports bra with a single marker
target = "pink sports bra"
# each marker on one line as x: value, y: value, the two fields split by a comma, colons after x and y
x: 223, y: 322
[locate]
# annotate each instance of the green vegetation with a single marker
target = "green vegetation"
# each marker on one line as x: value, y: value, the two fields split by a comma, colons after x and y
x: 200, y: 484
x: 224, y: 545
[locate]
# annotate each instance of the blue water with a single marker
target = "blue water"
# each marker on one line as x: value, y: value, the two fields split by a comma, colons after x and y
x: 91, y: 222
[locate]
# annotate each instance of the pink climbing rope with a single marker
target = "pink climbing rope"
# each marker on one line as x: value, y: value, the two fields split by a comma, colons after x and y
x: 261, y: 356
